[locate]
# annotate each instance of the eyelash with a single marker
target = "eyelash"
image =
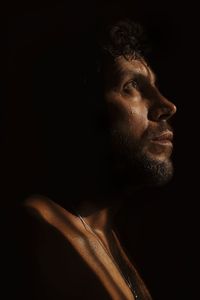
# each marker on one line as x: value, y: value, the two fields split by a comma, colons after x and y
x: 133, y: 84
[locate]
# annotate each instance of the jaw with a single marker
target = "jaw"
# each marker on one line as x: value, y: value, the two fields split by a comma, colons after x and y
x: 144, y: 171
x: 137, y: 165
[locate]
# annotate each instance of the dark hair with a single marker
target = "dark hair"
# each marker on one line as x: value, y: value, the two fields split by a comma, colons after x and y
x: 124, y: 38
x: 109, y: 41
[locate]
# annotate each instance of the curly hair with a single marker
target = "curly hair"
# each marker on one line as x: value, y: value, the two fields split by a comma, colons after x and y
x: 124, y: 38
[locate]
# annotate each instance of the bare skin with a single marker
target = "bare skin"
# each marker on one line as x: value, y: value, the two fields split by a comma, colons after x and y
x: 86, y: 244
x: 134, y: 110
x: 137, y: 106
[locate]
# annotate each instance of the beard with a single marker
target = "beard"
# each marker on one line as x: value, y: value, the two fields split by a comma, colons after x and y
x: 133, y: 167
x: 152, y: 172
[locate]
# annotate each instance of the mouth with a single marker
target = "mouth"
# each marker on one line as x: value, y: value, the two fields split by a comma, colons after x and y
x: 164, y: 139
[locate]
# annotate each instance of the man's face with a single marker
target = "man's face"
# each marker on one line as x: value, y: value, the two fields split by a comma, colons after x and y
x: 140, y: 134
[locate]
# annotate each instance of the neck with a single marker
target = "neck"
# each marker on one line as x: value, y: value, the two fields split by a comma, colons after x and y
x: 98, y: 214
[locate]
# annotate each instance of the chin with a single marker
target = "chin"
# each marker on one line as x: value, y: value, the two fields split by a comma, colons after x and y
x: 152, y: 169
x: 135, y: 168
x: 141, y: 173
x: 157, y: 172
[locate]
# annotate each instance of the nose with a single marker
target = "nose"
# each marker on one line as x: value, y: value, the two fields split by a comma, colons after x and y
x: 161, y: 109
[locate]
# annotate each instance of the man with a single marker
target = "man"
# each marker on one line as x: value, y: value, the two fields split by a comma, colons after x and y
x: 70, y: 246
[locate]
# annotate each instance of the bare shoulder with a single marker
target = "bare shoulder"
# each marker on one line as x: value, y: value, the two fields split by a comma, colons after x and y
x: 34, y: 215
x: 51, y: 212
x: 36, y: 202
x: 44, y: 207
x: 39, y: 205
x: 49, y: 221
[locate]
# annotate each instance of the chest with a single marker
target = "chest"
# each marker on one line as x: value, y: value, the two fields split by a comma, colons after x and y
x: 79, y: 267
x: 108, y: 270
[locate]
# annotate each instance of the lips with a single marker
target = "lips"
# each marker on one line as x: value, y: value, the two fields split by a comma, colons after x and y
x: 164, y: 138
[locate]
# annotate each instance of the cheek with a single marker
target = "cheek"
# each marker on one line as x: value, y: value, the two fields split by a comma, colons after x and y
x: 128, y: 118
x: 138, y: 120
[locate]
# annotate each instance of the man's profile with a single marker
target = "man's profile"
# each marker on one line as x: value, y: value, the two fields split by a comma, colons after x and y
x: 115, y: 138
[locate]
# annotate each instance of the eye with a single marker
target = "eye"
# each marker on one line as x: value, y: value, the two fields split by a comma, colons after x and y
x: 131, y: 85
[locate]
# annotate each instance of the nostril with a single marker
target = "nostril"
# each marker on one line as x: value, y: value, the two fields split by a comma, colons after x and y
x: 162, y: 113
x: 161, y: 109
x: 167, y: 112
x: 164, y: 116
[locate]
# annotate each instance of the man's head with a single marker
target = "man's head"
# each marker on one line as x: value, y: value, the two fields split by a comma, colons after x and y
x: 108, y: 123
x: 141, y: 137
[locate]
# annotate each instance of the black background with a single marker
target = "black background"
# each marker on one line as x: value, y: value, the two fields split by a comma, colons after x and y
x: 161, y: 233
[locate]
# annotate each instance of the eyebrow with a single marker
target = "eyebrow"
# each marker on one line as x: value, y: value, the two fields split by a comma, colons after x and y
x: 150, y: 74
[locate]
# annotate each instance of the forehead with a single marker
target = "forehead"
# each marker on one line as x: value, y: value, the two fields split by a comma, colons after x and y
x: 127, y: 67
